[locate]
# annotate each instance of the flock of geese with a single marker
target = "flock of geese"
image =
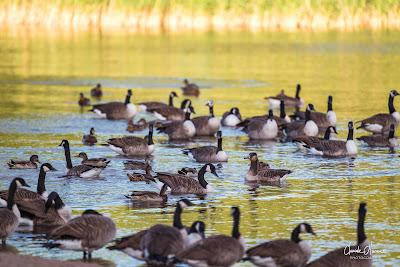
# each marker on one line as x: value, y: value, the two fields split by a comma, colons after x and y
x: 168, y: 245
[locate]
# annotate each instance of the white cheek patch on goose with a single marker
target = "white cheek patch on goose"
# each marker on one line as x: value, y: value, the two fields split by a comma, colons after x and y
x: 302, y: 228
x: 46, y: 169
x: 208, y: 169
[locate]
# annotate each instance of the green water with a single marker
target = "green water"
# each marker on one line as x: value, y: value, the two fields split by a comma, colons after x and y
x: 41, y: 75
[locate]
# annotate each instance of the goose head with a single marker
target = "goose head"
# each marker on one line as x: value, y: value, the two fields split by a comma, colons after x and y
x: 47, y: 167
x: 310, y: 107
x: 235, y: 111
x: 186, y: 81
x: 173, y: 94
x: 81, y: 95
x: 64, y: 143
x: 209, y: 167
x: 184, y: 202
x: 394, y: 93
x: 34, y: 159
x: 53, y: 198
x: 306, y: 228
x: 92, y: 131
x: 20, y: 182
x: 252, y: 156
x: 210, y: 103
x: 198, y: 227
x: 82, y: 155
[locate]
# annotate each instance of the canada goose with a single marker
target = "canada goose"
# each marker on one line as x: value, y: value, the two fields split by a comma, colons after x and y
x: 283, y: 117
x: 182, y: 184
x: 303, y: 141
x: 190, y: 89
x: 32, y: 163
x: 57, y: 212
x: 274, y: 101
x: 172, y: 113
x: 156, y: 105
x: 282, y: 252
x: 86, y: 233
x: 231, y: 118
x: 149, y: 196
x: 83, y: 101
x: 140, y: 177
x: 136, y: 165
x: 93, y: 162
x: 323, y: 120
x: 116, y: 110
x: 196, y: 233
x: 208, y: 153
x: 179, y: 130
x: 207, y: 125
x: 190, y: 172
x: 132, y: 145
x: 255, y: 174
x: 139, y: 126
x: 262, y: 129
x: 300, y: 128
x: 89, y: 139
x: 83, y: 171
x: 380, y: 123
x: 96, y: 91
x: 10, y: 215
x: 216, y: 250
x: 335, y: 148
x: 358, y: 255
x: 378, y: 140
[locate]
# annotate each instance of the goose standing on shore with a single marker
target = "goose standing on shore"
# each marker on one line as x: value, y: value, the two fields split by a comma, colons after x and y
x: 378, y: 140
x: 190, y: 89
x: 380, y: 123
x: 262, y: 129
x: 132, y: 145
x: 179, y: 130
x: 257, y: 174
x: 361, y: 255
x: 231, y: 118
x: 301, y: 128
x: 274, y: 101
x: 10, y: 215
x: 172, y: 113
x: 116, y: 110
x: 32, y: 163
x: 96, y: 91
x: 210, y: 154
x: 207, y: 125
x: 282, y: 252
x: 158, y: 105
x: 87, y: 233
x: 90, y: 139
x: 216, y: 250
x: 83, y: 171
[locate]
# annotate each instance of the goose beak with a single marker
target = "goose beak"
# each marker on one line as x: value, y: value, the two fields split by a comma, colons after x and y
x: 215, y: 173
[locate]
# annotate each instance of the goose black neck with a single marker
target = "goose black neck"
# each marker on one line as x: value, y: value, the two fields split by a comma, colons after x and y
x: 235, y: 227
x: 187, y: 116
x: 150, y: 137
x: 171, y: 101
x: 11, y: 193
x: 177, y: 217
x: 41, y: 187
x: 327, y: 135
x: 282, y: 110
x: 308, y: 115
x: 127, y: 99
x: 67, y: 155
x: 330, y: 105
x: 219, y: 145
x: 200, y: 177
x: 296, y: 235
x: 254, y: 167
x: 361, y: 237
x: 211, y: 108
x: 390, y: 104
x: 298, y: 88
x: 350, y: 134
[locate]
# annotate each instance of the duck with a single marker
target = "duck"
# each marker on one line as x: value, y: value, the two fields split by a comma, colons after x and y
x: 149, y: 196
x: 10, y: 214
x: 378, y: 140
x: 32, y: 163
x: 297, y: 101
x: 335, y: 148
x: 265, y: 174
x: 210, y: 154
x: 207, y: 125
x: 136, y: 165
x: 96, y: 91
x: 303, y: 141
x: 187, y: 171
x: 93, y: 162
x: 140, y: 177
x: 282, y: 252
x: 90, y: 139
x: 262, y: 129
x: 116, y: 110
x: 83, y: 171
x: 83, y: 101
x: 301, y: 128
x: 179, y: 130
x: 182, y: 184
x: 231, y: 118
x: 361, y: 252
x: 158, y: 105
x: 172, y: 113
x: 87, y: 233
x: 190, y: 89
x: 139, y: 126
x: 380, y: 123
x: 216, y: 250
x: 132, y: 145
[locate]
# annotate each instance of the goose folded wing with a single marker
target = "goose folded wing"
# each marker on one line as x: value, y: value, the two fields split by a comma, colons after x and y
x: 381, y: 119
x: 204, y: 151
x: 283, y: 252
x: 126, y: 141
x: 21, y: 194
x: 110, y: 107
x: 79, y: 169
x: 131, y: 241
x: 273, y: 173
x: 176, y: 181
x: 200, y: 122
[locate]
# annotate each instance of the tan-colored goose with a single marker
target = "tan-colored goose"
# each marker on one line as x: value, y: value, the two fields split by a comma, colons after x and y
x: 141, y: 177
x: 190, y: 89
x: 83, y: 171
x: 216, y: 250
x: 83, y: 101
x: 182, y: 184
x: 231, y: 118
x: 274, y: 101
x: 301, y: 128
x: 10, y: 214
x: 139, y: 126
x: 132, y: 145
x: 380, y: 123
x: 116, y: 110
x: 90, y: 139
x: 149, y: 196
x: 335, y: 148
x: 93, y: 162
x: 96, y: 91
x: 378, y: 140
x: 172, y: 113
x: 303, y: 141
x: 87, y: 233
x: 187, y: 171
x: 32, y: 163
x: 158, y: 105
x: 323, y: 120
x: 210, y: 154
x: 255, y: 174
x: 261, y: 128
x: 354, y: 256
x: 282, y: 252
x: 179, y: 130
x: 207, y: 125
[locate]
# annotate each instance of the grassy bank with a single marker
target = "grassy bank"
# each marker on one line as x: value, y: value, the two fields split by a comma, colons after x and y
x: 177, y: 15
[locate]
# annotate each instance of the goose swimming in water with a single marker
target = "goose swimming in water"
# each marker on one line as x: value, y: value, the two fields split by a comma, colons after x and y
x: 179, y: 130
x: 158, y: 105
x: 139, y: 126
x: 263, y: 174
x: 83, y: 101
x: 262, y: 129
x: 149, y: 196
x: 90, y: 139
x: 190, y: 89
x: 207, y: 125
x: 96, y: 91
x: 141, y: 177
x: 209, y: 154
x: 231, y: 118
x: 306, y: 141
x: 301, y: 128
x: 32, y: 163
x: 274, y: 101
x: 93, y: 162
x: 172, y: 113
x: 381, y: 140
x: 116, y: 110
